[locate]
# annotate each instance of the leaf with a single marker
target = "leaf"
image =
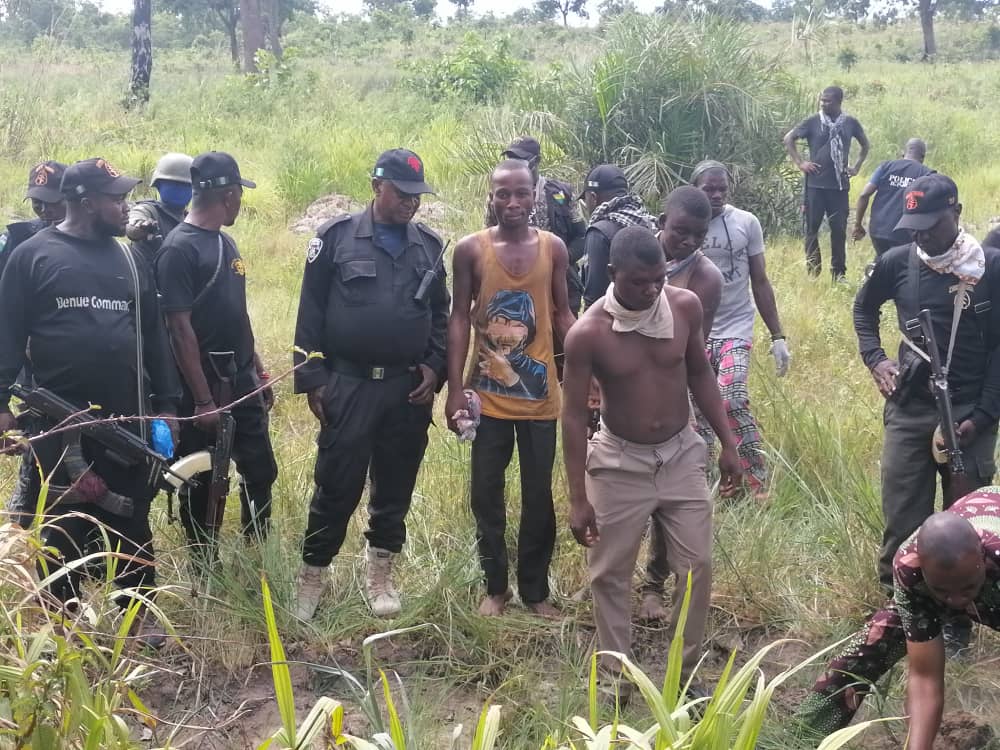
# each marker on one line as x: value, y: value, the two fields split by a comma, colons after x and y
x: 487, y: 729
x: 842, y: 736
x: 395, y: 726
x: 279, y: 668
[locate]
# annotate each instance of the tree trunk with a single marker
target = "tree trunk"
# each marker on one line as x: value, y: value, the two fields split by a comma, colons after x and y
x: 142, y: 52
x: 272, y: 26
x: 927, y: 8
x: 253, y: 33
x: 565, y: 14
x: 234, y: 42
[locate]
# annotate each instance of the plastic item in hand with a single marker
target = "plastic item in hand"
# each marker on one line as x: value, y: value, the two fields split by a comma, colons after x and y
x: 467, y: 419
x: 161, y: 439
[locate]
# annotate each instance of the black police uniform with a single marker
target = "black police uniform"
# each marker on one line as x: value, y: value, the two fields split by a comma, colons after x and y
x: 76, y: 301
x: 166, y: 220
x: 358, y: 310
x: 908, y: 469
x: 201, y: 271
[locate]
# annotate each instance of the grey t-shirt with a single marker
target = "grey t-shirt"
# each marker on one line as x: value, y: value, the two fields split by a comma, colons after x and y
x: 733, y: 236
x: 812, y: 131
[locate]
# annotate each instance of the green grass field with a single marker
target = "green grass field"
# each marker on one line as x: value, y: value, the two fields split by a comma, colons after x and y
x: 801, y: 566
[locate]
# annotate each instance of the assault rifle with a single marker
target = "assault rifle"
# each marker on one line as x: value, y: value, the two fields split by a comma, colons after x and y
x: 122, y: 447
x: 939, y: 386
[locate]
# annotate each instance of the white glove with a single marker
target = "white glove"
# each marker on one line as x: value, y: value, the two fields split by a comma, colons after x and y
x: 779, y: 350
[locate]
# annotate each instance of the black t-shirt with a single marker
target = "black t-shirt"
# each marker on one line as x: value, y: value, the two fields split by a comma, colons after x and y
x: 891, y: 179
x: 811, y: 130
x: 75, y: 300
x: 192, y: 275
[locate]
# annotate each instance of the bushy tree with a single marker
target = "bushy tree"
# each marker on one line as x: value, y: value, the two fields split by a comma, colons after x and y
x: 546, y: 9
x: 665, y: 94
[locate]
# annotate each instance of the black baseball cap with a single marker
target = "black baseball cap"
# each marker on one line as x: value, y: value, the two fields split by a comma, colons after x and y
x: 404, y: 169
x: 525, y: 147
x: 95, y: 176
x: 605, y: 178
x: 216, y: 169
x: 927, y: 199
x: 44, y: 180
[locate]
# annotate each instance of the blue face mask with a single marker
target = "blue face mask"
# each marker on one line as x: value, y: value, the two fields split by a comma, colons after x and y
x: 177, y: 194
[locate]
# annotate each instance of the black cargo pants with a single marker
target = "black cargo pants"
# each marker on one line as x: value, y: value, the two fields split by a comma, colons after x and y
x: 909, y: 471
x: 72, y: 535
x: 372, y: 430
x: 254, y: 458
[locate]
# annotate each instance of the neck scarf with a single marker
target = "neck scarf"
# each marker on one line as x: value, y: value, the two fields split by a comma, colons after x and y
x: 965, y: 258
x: 655, y: 322
x: 837, y: 155
x: 677, y: 267
x: 626, y: 210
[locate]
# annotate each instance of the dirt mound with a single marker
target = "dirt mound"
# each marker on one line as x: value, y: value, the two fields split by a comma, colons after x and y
x: 963, y: 731
x: 320, y: 210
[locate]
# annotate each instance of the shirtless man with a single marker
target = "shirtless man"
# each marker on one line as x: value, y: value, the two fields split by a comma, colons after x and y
x: 643, y: 343
x: 510, y: 285
x: 683, y: 226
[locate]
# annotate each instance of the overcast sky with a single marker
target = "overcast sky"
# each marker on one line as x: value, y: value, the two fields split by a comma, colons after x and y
x: 500, y: 7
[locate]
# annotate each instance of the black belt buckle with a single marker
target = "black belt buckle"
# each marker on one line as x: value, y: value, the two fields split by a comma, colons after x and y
x: 376, y: 373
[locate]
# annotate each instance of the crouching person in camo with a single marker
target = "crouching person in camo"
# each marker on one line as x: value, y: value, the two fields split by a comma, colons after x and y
x: 381, y: 332
x: 643, y: 343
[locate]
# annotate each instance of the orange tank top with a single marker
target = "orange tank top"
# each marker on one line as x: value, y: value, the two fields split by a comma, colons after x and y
x: 513, y: 368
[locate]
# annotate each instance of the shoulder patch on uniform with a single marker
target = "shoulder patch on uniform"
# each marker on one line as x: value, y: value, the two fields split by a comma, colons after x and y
x: 315, y: 248
x: 326, y: 225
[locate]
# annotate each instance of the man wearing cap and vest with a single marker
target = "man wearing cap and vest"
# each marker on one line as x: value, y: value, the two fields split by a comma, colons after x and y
x: 611, y: 207
x: 946, y: 271
x: 47, y: 202
x: 374, y: 304
x: 90, y: 310
x: 202, y: 282
x: 49, y: 206
x: 149, y: 222
x: 555, y: 210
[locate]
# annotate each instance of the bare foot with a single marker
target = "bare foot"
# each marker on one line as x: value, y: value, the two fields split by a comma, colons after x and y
x: 494, y: 606
x: 545, y: 609
x: 651, y: 607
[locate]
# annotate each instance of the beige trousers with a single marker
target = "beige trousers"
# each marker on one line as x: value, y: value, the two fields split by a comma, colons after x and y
x: 627, y: 483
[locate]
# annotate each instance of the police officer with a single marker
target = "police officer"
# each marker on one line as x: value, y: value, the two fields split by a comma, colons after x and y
x: 555, y: 211
x: 611, y: 207
x: 49, y: 207
x: 97, y: 337
x: 375, y: 304
x: 202, y: 282
x: 149, y: 222
x: 46, y: 201
x: 945, y: 271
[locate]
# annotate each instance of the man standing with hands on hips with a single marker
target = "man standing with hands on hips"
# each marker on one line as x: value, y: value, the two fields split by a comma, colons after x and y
x: 375, y: 305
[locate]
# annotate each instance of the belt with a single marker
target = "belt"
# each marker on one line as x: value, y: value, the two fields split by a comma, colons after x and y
x: 368, y: 372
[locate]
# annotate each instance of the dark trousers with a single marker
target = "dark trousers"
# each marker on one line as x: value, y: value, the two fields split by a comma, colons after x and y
x: 491, y: 453
x: 74, y: 536
x: 909, y: 472
x: 372, y: 429
x: 834, y: 205
x: 881, y: 245
x: 254, y: 458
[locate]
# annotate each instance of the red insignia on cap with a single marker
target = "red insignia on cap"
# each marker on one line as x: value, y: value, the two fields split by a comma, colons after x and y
x: 414, y: 163
x: 108, y: 168
x: 911, y: 199
x: 42, y: 172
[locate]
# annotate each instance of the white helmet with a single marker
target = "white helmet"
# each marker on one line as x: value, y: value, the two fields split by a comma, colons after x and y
x: 175, y: 167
